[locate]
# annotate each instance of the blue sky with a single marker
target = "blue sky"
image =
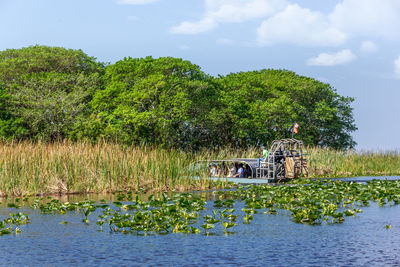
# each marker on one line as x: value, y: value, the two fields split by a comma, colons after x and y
x: 351, y: 44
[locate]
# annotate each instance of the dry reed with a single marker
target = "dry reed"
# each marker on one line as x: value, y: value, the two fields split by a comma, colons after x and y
x: 67, y: 167
x: 28, y: 168
x: 332, y: 163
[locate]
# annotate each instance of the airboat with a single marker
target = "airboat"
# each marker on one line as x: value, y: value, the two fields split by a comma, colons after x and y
x: 286, y: 160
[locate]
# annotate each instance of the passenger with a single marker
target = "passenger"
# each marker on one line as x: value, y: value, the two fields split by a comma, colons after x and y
x: 263, y: 157
x: 220, y: 170
x: 213, y: 170
x: 245, y: 171
x: 240, y: 172
x: 217, y: 171
x: 232, y: 170
x: 227, y: 169
x: 223, y: 170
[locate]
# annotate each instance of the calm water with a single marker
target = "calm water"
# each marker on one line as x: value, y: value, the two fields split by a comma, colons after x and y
x: 269, y: 240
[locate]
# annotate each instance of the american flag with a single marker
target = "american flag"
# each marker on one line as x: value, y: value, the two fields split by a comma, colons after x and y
x: 295, y: 128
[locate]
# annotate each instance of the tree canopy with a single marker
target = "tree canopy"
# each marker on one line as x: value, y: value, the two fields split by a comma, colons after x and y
x: 45, y: 91
x: 158, y: 101
x: 51, y: 93
x: 260, y: 106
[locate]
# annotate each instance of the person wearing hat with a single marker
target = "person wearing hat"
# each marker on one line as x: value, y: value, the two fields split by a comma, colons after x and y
x: 264, y: 156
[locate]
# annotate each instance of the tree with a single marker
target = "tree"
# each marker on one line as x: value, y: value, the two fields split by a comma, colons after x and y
x: 16, y: 63
x: 10, y: 126
x: 45, y: 91
x: 260, y: 106
x: 51, y: 93
x: 51, y: 103
x: 160, y: 101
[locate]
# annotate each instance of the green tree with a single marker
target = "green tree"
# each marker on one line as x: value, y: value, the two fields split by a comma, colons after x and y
x: 260, y: 106
x: 161, y: 101
x: 51, y: 103
x: 16, y: 63
x: 10, y: 126
x: 45, y: 91
x: 50, y: 93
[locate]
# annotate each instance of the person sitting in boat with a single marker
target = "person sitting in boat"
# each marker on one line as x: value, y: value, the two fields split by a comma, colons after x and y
x: 213, y: 170
x: 240, y: 172
x: 264, y: 155
x: 232, y: 170
x: 224, y: 170
x: 220, y: 171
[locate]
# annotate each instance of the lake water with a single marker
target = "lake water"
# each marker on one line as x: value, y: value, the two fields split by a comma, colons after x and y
x: 270, y: 240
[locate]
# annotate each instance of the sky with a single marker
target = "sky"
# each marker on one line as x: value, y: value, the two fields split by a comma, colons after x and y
x: 354, y: 45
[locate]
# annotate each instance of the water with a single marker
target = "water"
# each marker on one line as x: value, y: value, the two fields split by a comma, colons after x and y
x: 270, y: 240
x: 368, y: 178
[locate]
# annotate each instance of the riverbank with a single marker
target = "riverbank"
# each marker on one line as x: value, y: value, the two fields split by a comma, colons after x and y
x: 28, y: 168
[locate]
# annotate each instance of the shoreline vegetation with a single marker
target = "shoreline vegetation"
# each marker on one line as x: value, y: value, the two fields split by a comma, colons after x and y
x: 35, y: 168
x: 177, y: 112
x: 50, y: 94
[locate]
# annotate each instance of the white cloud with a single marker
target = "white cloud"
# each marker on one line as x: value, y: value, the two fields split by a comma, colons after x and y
x: 287, y: 22
x: 188, y: 27
x: 135, y: 2
x: 299, y: 26
x: 397, y: 68
x: 229, y: 11
x: 368, y: 17
x: 339, y: 58
x: 349, y: 19
x: 368, y: 47
x: 242, y: 10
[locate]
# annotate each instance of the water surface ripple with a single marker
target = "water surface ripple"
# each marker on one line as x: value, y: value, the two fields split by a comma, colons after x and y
x: 270, y: 240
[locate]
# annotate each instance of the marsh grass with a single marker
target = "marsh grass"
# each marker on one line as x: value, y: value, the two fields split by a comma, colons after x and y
x: 28, y: 168
x: 332, y: 163
x: 67, y: 167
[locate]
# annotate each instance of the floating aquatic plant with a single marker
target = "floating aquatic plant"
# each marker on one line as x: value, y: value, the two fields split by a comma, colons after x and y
x: 309, y: 202
x: 8, y: 225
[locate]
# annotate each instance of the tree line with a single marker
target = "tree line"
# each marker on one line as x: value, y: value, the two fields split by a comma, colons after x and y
x: 53, y: 93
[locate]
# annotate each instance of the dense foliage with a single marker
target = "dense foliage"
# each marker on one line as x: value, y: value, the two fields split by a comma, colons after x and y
x: 260, y: 106
x: 158, y: 101
x: 45, y: 91
x: 52, y: 93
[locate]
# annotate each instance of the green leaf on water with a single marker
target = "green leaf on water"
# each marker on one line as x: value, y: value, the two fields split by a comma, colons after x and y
x: 208, y: 226
x: 194, y: 230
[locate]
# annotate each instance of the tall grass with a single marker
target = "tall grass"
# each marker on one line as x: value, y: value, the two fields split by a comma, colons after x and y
x: 78, y: 167
x: 37, y: 168
x: 332, y: 163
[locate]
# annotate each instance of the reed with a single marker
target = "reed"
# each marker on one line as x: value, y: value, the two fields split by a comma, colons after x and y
x: 28, y: 168
x: 67, y: 167
x: 333, y: 163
